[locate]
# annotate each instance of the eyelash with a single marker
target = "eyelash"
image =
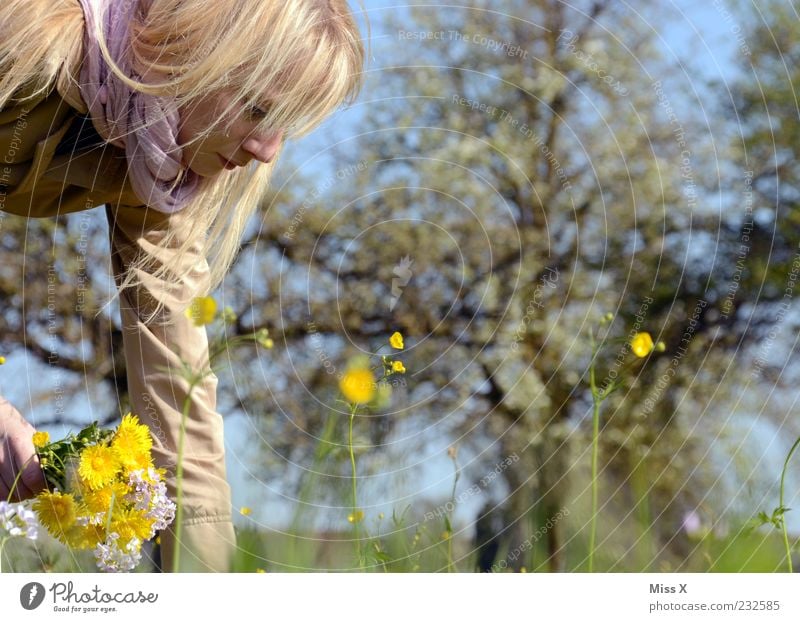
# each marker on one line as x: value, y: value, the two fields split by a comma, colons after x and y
x: 255, y: 112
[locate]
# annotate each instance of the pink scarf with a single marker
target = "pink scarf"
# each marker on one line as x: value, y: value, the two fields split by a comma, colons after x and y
x: 146, y: 126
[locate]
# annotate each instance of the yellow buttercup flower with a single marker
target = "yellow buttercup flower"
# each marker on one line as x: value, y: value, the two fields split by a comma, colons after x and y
x: 358, y: 385
x: 98, y: 465
x: 40, y: 439
x: 642, y: 344
x: 56, y: 511
x: 396, y: 341
x: 202, y: 310
x: 398, y: 367
x: 355, y: 517
x: 245, y: 511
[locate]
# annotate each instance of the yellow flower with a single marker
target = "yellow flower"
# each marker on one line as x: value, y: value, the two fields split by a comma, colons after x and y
x: 398, y: 367
x: 642, y: 344
x: 99, y: 465
x: 85, y: 537
x: 40, y: 439
x: 202, y: 310
x: 245, y: 511
x: 2, y: 360
x: 355, y: 517
x: 56, y: 511
x: 99, y: 500
x: 358, y: 385
x: 260, y: 570
x: 132, y: 443
x: 445, y: 535
x: 129, y: 524
x: 396, y: 341
x: 263, y: 338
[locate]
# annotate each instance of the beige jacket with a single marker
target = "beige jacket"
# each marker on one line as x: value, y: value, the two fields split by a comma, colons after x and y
x: 36, y: 183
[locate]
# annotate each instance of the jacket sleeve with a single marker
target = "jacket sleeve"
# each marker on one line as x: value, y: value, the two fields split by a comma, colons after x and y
x: 36, y: 182
x: 157, y: 396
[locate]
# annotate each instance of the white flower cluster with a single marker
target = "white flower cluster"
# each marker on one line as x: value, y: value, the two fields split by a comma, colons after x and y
x: 150, y: 496
x: 111, y: 558
x: 18, y: 520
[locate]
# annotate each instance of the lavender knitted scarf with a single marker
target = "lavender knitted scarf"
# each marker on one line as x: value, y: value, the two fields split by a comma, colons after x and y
x: 145, y: 126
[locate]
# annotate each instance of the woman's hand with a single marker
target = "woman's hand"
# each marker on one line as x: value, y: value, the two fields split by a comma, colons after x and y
x: 17, y: 451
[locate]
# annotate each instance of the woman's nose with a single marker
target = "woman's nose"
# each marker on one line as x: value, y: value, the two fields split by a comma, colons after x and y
x: 263, y: 147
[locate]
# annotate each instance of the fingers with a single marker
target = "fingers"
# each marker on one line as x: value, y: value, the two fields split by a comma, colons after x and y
x: 17, y: 456
x: 6, y: 468
x: 32, y: 479
x: 9, y: 469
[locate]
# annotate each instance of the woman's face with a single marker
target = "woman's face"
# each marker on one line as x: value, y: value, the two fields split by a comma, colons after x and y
x: 219, y: 150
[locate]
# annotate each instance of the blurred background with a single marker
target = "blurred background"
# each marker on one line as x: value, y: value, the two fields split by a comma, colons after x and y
x: 511, y: 173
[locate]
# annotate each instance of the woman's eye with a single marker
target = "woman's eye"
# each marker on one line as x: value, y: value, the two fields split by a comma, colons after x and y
x: 257, y: 112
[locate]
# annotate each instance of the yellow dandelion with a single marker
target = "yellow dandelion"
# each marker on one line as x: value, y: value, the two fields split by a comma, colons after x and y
x: 132, y: 443
x: 642, y: 344
x: 396, y: 341
x: 245, y: 511
x: 100, y: 500
x: 56, y: 511
x: 355, y: 517
x: 358, y: 385
x: 129, y: 523
x: 398, y: 367
x: 98, y: 466
x: 40, y: 439
x: 202, y: 310
x: 85, y: 537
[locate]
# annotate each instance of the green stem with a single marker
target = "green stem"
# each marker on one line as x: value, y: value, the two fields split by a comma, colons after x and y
x: 783, y: 515
x: 2, y: 545
x: 322, y: 449
x: 355, y: 493
x: 179, y: 481
x: 595, y: 444
x: 449, y: 525
x: 596, y: 401
x: 16, y: 479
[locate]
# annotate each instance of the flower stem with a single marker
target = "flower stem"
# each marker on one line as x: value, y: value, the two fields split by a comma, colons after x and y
x: 16, y: 479
x: 179, y: 480
x: 355, y: 492
x: 449, y: 522
x: 783, y: 515
x: 596, y: 401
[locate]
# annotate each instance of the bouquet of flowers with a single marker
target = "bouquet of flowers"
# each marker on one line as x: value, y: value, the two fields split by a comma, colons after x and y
x: 104, y: 493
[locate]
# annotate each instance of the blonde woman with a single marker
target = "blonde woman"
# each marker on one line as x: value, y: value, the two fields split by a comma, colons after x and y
x: 171, y: 113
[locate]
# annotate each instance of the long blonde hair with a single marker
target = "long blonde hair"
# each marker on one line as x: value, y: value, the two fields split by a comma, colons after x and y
x: 308, y: 51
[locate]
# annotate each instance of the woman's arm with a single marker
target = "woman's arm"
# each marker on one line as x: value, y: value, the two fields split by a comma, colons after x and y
x: 157, y: 396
